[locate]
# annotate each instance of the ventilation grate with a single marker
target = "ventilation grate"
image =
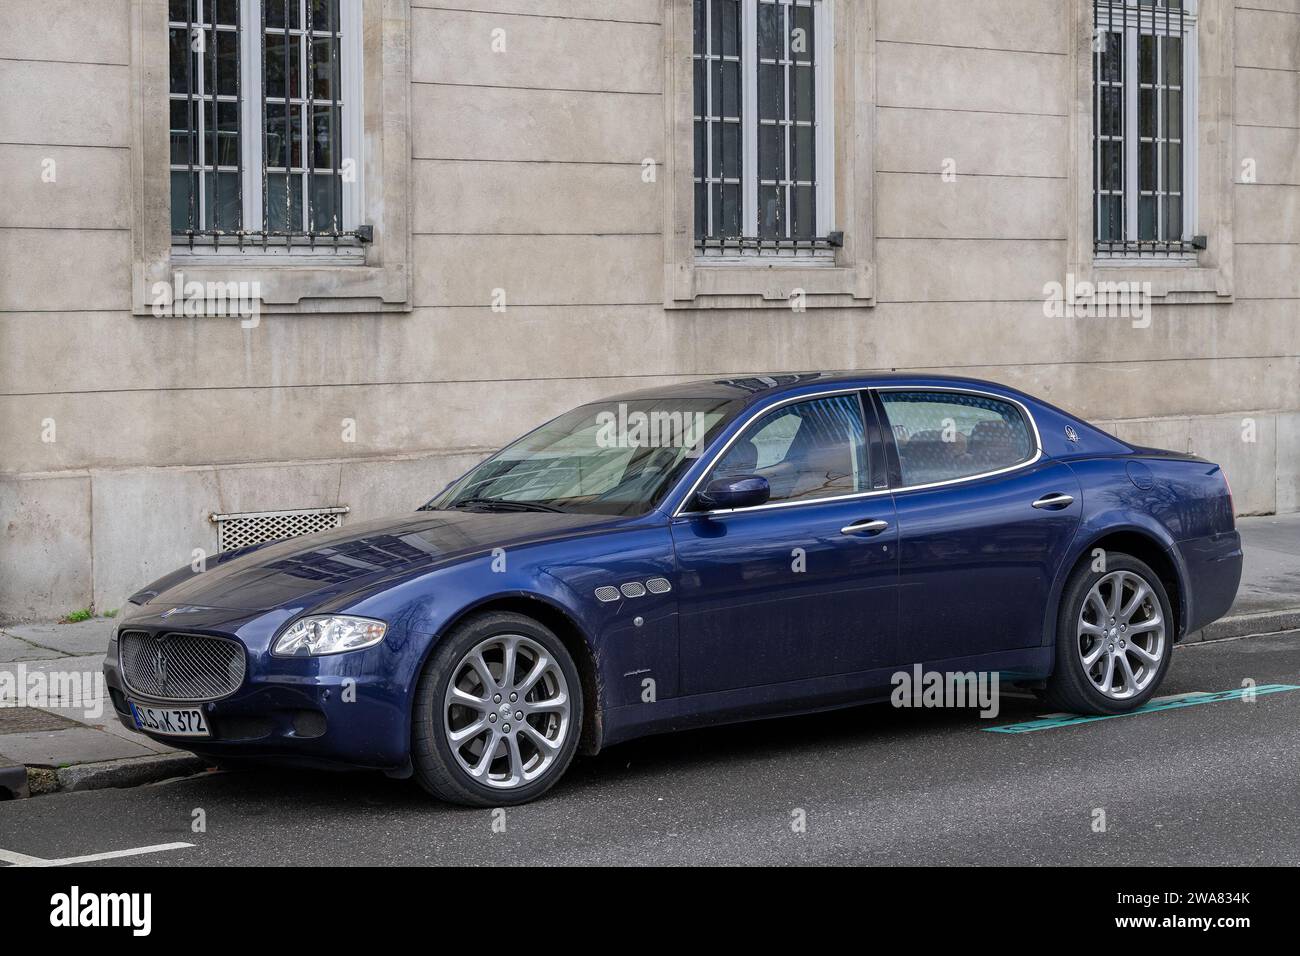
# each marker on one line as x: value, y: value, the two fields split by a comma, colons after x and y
x: 254, y: 527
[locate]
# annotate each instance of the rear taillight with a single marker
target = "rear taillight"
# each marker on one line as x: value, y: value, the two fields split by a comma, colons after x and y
x: 1228, y: 485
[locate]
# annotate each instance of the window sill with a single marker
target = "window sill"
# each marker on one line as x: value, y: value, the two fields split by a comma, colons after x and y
x: 747, y: 282
x: 1145, y: 262
x: 750, y: 261
x: 282, y: 287
x: 1174, y: 279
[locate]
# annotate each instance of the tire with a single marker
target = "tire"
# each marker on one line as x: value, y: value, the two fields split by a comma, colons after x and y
x: 528, y: 755
x: 1086, y: 608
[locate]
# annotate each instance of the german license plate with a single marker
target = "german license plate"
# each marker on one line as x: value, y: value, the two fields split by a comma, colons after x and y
x: 172, y: 721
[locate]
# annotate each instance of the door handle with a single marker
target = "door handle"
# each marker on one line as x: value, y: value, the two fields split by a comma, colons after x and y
x: 1055, y: 501
x: 867, y: 526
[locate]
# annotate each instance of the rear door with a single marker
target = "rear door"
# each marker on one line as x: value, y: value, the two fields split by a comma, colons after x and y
x: 984, y: 521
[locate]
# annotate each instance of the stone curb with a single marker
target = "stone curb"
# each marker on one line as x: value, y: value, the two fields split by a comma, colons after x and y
x: 1248, y: 625
x: 128, y: 773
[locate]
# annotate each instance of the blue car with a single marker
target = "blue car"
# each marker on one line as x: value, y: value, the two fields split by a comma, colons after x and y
x: 692, y: 555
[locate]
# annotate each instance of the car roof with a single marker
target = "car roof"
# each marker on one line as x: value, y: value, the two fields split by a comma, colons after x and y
x: 751, y: 388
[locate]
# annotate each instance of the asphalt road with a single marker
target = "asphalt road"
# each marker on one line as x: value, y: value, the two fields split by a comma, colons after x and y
x: 1215, y: 783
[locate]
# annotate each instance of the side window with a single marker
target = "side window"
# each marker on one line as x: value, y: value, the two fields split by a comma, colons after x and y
x: 808, y: 450
x: 946, y: 435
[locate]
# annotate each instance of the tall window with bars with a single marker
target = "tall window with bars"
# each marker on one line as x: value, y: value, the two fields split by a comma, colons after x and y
x: 763, y: 131
x: 265, y: 108
x: 1144, y: 128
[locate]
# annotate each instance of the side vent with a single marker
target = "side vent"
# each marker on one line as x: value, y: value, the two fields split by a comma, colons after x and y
x: 254, y: 527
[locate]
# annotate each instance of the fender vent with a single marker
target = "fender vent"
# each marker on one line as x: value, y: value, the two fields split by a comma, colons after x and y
x: 254, y: 527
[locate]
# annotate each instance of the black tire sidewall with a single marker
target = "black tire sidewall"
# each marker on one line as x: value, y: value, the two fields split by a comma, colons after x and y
x: 436, y: 767
x: 1070, y: 686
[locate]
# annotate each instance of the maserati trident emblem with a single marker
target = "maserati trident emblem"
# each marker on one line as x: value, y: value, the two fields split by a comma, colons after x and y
x: 1071, y: 434
x: 159, y: 664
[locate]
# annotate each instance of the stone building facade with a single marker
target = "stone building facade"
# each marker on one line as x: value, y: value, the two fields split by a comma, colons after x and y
x: 520, y: 195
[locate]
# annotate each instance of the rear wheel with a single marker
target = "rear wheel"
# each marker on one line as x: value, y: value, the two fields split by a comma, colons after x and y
x: 1114, y: 638
x: 498, y: 712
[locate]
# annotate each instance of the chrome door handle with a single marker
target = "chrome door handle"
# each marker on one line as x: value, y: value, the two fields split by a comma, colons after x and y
x: 1054, y: 500
x: 866, y: 526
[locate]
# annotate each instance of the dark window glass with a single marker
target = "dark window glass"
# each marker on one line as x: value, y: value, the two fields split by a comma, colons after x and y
x: 807, y: 450
x: 942, y: 436
x: 1112, y: 57
x: 771, y: 211
x: 1112, y: 168
x: 803, y: 151
x: 771, y: 152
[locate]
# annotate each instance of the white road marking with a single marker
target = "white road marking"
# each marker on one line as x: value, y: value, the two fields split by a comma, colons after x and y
x: 19, y: 859
x: 22, y: 859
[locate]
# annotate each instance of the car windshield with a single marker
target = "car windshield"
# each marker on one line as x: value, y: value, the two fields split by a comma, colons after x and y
x: 616, y: 458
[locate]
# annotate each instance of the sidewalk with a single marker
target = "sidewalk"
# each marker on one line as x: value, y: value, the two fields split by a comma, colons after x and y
x: 84, y: 746
x: 80, y: 745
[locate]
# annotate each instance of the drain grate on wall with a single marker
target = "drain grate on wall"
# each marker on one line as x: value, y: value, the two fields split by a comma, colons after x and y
x: 254, y: 527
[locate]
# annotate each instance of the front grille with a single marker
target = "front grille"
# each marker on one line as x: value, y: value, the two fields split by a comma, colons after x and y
x: 180, y: 666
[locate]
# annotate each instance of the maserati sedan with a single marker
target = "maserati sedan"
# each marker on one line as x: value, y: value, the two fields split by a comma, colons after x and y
x: 691, y: 555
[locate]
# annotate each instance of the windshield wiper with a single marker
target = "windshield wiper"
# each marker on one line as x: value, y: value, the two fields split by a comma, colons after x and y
x: 506, y: 505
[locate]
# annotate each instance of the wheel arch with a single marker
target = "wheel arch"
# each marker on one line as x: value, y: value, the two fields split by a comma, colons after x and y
x: 1147, y: 548
x: 565, y: 626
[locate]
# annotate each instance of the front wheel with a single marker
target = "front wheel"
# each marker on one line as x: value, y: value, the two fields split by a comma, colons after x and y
x: 1114, y: 639
x: 498, y: 712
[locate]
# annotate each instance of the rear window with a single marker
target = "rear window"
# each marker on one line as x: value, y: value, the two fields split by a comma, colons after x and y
x: 942, y: 436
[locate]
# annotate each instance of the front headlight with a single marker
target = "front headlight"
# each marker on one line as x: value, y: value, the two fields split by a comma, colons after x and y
x: 329, y: 634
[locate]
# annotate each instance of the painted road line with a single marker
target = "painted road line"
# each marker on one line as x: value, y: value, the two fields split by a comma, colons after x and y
x: 22, y: 859
x: 1052, y: 721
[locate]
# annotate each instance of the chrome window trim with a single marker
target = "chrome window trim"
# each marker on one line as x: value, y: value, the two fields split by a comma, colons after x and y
x: 864, y: 390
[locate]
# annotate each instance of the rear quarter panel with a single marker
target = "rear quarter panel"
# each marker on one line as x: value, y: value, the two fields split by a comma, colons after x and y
x: 1181, y: 504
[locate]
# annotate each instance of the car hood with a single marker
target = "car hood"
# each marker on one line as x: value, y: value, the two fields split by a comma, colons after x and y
x: 311, y: 570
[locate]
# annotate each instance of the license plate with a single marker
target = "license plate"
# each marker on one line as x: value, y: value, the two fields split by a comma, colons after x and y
x: 172, y: 721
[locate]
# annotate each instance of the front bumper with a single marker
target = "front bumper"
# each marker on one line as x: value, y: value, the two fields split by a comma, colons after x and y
x: 341, y: 710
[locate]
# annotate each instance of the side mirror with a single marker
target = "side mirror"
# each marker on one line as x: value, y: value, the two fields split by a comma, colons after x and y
x: 743, y: 491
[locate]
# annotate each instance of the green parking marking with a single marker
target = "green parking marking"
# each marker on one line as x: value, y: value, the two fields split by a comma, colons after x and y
x: 1167, y: 703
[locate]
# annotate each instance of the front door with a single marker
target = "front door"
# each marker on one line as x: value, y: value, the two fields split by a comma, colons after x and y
x: 803, y: 586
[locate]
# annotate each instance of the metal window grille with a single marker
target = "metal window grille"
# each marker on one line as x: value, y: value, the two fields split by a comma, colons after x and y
x: 1144, y: 108
x: 231, y: 182
x: 758, y: 68
x: 254, y: 527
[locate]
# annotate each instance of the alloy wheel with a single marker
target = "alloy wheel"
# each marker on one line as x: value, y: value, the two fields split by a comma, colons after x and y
x: 1121, y: 635
x: 506, y: 711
